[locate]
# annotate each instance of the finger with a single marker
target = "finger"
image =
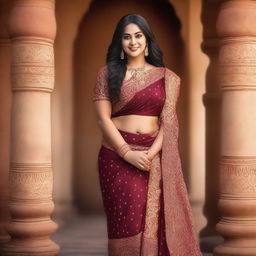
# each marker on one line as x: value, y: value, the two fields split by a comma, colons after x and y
x: 146, y: 161
x: 147, y: 166
x: 145, y: 157
x: 143, y: 167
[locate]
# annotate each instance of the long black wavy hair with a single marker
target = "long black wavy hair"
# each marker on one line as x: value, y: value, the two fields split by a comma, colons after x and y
x: 117, y: 66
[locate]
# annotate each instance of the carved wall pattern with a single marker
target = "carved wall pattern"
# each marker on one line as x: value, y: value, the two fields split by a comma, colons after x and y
x: 238, y: 50
x: 238, y: 175
x: 238, y: 63
x: 32, y: 65
x: 31, y: 181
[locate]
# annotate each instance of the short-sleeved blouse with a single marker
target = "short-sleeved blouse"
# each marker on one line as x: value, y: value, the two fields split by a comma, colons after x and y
x: 145, y: 98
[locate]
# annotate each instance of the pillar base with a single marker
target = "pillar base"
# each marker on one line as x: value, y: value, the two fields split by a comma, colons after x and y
x: 208, y: 243
x: 47, y: 249
x: 30, y: 238
x: 222, y: 250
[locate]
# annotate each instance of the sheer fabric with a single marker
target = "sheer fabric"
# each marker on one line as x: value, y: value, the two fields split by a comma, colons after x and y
x: 148, y: 213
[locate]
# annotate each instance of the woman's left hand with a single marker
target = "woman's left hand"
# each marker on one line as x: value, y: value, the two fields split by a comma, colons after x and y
x: 150, y: 155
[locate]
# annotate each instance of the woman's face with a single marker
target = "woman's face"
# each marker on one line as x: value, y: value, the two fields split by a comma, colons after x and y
x: 133, y: 41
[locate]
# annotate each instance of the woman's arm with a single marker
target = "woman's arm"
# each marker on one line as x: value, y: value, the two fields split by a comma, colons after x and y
x: 157, y: 144
x: 107, y: 127
x: 115, y: 139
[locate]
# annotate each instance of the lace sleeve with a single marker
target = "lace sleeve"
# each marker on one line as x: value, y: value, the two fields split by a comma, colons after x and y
x: 100, y: 91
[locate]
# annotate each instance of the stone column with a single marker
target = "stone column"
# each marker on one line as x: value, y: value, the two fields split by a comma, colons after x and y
x: 237, y: 61
x: 32, y: 31
x: 211, y: 99
x: 5, y: 112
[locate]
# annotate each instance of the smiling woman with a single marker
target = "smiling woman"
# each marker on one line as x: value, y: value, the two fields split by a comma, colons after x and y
x: 144, y: 194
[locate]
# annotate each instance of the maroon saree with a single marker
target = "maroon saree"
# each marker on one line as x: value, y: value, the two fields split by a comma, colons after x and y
x: 148, y: 213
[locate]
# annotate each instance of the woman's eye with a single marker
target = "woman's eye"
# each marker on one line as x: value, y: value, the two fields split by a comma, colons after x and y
x: 126, y: 37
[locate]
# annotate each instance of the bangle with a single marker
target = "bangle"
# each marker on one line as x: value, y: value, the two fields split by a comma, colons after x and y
x: 123, y: 149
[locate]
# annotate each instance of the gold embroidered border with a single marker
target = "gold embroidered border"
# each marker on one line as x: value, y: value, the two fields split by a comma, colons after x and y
x: 128, y: 246
x: 153, y: 199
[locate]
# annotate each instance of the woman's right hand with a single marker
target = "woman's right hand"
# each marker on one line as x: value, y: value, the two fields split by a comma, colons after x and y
x: 139, y: 159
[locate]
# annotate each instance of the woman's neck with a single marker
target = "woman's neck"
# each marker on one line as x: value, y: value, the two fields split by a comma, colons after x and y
x: 136, y: 62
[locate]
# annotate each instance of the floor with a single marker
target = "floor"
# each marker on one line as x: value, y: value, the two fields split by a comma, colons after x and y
x: 83, y: 236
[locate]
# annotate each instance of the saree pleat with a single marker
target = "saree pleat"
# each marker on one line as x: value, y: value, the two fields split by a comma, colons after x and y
x: 148, y: 213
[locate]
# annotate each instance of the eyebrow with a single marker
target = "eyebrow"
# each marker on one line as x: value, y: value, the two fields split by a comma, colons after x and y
x: 134, y: 33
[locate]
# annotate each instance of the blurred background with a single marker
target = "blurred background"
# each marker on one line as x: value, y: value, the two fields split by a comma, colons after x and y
x: 183, y: 29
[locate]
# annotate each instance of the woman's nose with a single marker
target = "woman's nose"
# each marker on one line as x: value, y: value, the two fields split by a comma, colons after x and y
x: 133, y: 40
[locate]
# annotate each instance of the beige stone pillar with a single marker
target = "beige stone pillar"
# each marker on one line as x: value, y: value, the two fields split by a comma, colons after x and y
x: 32, y: 31
x: 212, y: 102
x: 5, y: 110
x: 237, y: 64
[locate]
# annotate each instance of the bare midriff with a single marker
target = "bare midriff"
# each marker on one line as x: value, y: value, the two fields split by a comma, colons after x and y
x: 138, y: 124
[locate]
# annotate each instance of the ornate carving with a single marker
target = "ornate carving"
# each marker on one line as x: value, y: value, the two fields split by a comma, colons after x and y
x: 32, y: 65
x: 238, y: 51
x: 32, y: 52
x: 30, y: 181
x: 237, y: 63
x: 238, y: 78
x: 30, y: 81
x: 238, y: 175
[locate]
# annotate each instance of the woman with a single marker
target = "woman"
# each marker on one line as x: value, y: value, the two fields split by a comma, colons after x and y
x: 144, y: 194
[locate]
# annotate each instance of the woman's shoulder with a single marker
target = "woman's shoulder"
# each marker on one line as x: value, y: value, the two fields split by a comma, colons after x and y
x: 169, y: 73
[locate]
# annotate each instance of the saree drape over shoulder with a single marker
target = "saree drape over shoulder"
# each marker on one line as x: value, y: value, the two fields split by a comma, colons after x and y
x: 148, y: 213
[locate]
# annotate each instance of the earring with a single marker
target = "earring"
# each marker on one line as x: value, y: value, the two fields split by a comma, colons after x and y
x: 122, y: 55
x: 146, y: 51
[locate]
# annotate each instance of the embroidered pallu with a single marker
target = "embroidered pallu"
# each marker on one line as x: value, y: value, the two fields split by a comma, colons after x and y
x: 148, y: 213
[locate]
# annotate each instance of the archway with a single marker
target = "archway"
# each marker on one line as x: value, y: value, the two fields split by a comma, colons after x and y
x: 94, y: 34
